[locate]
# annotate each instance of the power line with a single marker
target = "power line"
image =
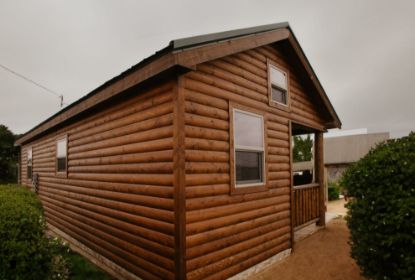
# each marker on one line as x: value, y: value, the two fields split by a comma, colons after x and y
x: 60, y: 96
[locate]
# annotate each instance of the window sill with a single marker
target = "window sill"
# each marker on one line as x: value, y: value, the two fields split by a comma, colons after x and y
x: 306, y: 186
x: 280, y: 106
x: 250, y: 188
x: 61, y: 174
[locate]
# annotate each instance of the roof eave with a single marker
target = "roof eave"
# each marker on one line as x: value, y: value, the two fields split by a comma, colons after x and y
x: 176, y: 54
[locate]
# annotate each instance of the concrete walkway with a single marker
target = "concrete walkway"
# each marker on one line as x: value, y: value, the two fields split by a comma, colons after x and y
x: 324, y: 255
x: 337, y: 207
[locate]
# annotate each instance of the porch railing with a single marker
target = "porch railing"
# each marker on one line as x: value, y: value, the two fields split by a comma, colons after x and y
x: 306, y: 205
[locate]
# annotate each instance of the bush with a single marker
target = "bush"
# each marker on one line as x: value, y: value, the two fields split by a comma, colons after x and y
x: 60, y: 267
x: 382, y: 210
x: 24, y: 252
x: 8, y: 156
x: 333, y: 191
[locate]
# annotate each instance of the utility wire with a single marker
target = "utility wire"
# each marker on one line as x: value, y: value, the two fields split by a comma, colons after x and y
x: 60, y: 96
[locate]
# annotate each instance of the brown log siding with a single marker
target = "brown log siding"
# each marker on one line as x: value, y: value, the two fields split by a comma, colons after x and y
x: 118, y: 196
x: 227, y: 233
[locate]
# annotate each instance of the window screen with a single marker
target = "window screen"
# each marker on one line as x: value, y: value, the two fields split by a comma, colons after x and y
x: 249, y: 148
x: 248, y: 167
x: 279, y: 95
x: 279, y: 85
x: 61, y: 151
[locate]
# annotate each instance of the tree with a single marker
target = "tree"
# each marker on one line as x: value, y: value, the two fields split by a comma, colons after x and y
x: 8, y: 156
x: 302, y: 150
x: 381, y: 214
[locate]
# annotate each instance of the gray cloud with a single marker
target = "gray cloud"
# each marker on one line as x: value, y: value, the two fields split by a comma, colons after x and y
x: 362, y: 51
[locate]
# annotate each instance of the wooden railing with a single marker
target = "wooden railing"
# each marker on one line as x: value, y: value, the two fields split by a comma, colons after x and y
x: 306, y: 205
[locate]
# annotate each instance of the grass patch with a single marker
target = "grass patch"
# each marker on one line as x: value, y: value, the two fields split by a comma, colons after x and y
x: 81, y: 268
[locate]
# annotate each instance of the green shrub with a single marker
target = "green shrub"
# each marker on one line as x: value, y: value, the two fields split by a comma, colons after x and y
x: 333, y: 191
x: 382, y: 210
x: 24, y: 251
x: 61, y: 266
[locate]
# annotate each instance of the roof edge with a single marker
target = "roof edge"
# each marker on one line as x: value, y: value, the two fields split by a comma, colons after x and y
x: 194, y: 41
x: 335, y: 123
x: 165, y: 59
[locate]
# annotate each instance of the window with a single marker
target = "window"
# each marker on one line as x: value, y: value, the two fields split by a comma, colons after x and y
x: 278, y: 86
x: 248, y: 129
x: 29, y: 163
x: 61, y: 151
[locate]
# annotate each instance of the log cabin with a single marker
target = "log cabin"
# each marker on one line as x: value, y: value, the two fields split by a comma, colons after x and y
x: 181, y: 166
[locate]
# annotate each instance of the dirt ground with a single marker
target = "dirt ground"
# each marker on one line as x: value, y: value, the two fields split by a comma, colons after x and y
x: 322, y: 256
x: 337, y: 207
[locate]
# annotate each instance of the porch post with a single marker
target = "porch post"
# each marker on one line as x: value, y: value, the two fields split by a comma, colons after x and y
x: 319, y: 162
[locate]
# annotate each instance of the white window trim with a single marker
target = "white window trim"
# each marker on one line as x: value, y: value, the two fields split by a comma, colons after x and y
x: 277, y: 86
x: 249, y: 149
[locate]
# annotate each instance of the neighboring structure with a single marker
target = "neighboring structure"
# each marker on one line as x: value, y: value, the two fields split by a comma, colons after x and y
x: 340, y: 152
x: 181, y: 166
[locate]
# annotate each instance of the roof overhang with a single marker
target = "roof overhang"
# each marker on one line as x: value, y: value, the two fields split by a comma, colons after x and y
x: 184, y: 55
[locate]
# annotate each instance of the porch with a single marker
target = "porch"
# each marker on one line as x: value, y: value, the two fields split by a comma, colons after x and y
x: 308, y: 198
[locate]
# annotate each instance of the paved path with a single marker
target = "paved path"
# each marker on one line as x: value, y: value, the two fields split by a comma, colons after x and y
x: 325, y: 255
x: 337, y: 207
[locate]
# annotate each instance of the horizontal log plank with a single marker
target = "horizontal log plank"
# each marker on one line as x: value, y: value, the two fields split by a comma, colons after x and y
x: 133, y: 241
x: 219, y: 200
x: 139, y: 137
x: 206, y: 144
x: 235, y: 229
x: 206, y: 259
x: 160, y: 231
x: 207, y: 225
x: 237, y: 207
x: 219, y: 244
x: 146, y: 190
x: 100, y: 246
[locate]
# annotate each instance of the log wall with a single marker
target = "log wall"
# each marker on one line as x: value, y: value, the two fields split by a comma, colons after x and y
x: 117, y: 198
x: 227, y: 233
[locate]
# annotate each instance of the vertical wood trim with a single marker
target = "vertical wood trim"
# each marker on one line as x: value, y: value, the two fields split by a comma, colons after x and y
x: 320, y: 176
x: 292, y: 209
x: 179, y: 179
x: 231, y: 150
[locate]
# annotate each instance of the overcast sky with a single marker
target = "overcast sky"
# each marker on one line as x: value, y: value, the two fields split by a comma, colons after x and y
x: 362, y: 51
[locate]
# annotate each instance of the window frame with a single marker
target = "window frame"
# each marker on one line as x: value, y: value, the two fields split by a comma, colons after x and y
x: 63, y: 174
x: 271, y: 101
x: 250, y: 187
x: 31, y: 164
